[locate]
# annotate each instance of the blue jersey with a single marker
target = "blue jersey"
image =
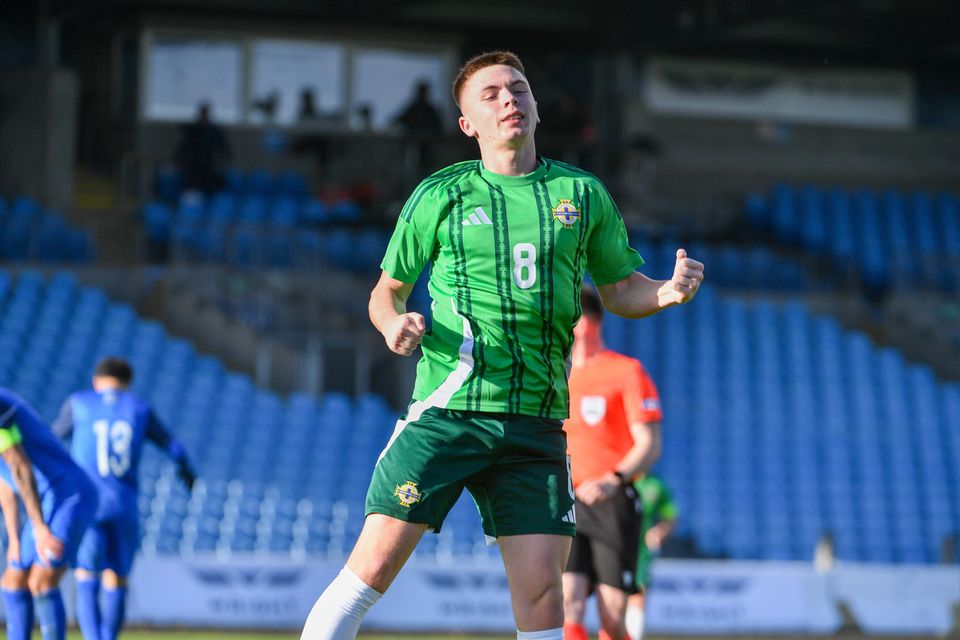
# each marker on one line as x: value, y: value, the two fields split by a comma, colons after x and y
x: 108, y: 430
x: 54, y: 470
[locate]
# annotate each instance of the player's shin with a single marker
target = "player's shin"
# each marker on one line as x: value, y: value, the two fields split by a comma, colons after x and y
x: 88, y: 607
x: 338, y: 612
x: 114, y: 609
x: 51, y: 614
x: 19, y: 606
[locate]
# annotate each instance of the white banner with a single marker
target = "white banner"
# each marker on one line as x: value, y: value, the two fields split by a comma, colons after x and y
x: 733, y: 90
x: 738, y: 597
x: 240, y: 592
x: 471, y: 595
x: 898, y: 599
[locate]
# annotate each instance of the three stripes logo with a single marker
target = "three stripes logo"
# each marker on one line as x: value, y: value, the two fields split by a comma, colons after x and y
x: 478, y: 217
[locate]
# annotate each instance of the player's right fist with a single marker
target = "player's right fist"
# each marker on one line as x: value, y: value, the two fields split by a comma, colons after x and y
x: 49, y: 547
x: 404, y: 333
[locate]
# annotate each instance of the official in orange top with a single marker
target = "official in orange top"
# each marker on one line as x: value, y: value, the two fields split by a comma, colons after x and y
x: 613, y: 436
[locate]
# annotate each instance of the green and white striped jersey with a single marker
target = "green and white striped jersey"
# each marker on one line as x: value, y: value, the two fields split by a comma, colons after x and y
x: 509, y: 255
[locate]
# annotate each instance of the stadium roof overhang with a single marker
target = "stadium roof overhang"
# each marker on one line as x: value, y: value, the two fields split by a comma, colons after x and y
x: 887, y: 32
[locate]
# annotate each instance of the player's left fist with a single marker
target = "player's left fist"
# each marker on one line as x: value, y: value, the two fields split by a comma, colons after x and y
x: 687, y: 276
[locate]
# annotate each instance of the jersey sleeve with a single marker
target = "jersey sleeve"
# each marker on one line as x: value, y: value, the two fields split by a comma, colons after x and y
x: 610, y: 258
x: 667, y: 509
x: 10, y: 435
x: 641, y: 401
x: 414, y: 238
x: 159, y: 435
x: 62, y: 426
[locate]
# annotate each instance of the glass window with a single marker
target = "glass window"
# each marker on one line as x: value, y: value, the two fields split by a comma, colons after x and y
x: 385, y: 80
x: 183, y: 73
x: 303, y: 80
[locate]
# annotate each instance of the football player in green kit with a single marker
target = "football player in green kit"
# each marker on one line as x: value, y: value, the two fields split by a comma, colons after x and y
x: 510, y: 238
x: 659, y: 519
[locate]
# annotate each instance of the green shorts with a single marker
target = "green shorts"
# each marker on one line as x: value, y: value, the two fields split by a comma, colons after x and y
x: 644, y: 560
x: 515, y: 467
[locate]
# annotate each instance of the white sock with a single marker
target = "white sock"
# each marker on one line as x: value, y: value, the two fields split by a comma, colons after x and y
x: 546, y: 634
x: 339, y: 610
x: 634, y: 621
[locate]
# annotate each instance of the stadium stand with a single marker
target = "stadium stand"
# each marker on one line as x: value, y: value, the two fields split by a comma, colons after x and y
x: 892, y: 239
x: 257, y: 220
x: 29, y: 232
x: 797, y: 428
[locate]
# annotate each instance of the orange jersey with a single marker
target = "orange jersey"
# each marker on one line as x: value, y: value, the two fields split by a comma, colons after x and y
x: 608, y: 394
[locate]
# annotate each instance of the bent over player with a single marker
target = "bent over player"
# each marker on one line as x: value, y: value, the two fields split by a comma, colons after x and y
x: 109, y: 426
x: 510, y: 237
x: 60, y: 502
x: 613, y: 435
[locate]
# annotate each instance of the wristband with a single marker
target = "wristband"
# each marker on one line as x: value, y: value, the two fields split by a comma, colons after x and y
x: 623, y: 479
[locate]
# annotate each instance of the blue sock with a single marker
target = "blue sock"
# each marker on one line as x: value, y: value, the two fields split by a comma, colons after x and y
x: 88, y: 608
x: 50, y: 612
x: 114, y: 605
x: 19, y: 606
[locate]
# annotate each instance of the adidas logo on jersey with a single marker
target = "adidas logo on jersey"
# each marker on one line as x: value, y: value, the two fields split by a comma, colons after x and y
x: 479, y: 216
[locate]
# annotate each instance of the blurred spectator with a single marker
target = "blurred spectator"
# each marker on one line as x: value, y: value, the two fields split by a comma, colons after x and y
x: 308, y: 106
x: 420, y: 118
x: 365, y: 115
x: 201, y: 152
x: 420, y: 121
x: 571, y: 120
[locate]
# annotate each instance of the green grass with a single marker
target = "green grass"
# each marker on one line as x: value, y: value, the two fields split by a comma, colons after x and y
x: 294, y: 635
x: 246, y: 635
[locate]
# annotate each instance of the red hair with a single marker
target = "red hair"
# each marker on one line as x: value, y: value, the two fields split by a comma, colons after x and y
x: 482, y: 61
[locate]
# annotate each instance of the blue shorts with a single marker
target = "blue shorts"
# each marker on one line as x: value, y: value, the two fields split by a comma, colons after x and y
x: 111, y: 544
x: 68, y: 519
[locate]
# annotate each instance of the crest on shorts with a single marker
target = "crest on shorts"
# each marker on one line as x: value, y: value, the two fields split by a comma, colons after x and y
x: 566, y: 212
x: 408, y: 494
x: 592, y: 409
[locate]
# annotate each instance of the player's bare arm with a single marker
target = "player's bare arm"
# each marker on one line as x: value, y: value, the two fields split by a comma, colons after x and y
x: 638, y: 296
x: 402, y: 330
x: 658, y: 533
x: 48, y: 545
x: 638, y: 460
x: 11, y: 520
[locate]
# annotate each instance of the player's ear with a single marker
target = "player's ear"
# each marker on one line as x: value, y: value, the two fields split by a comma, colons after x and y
x: 467, y: 127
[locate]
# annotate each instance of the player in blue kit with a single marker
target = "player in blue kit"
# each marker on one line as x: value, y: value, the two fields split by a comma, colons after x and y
x: 60, y: 502
x: 109, y: 426
x: 17, y: 596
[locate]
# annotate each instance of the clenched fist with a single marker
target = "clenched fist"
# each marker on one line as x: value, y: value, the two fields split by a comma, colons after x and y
x: 404, y: 333
x: 687, y: 276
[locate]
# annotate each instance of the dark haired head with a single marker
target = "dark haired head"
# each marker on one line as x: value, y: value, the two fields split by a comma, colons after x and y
x: 112, y: 367
x: 590, y: 303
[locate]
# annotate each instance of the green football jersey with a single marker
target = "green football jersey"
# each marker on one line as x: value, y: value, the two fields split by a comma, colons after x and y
x: 508, y: 258
x: 658, y: 504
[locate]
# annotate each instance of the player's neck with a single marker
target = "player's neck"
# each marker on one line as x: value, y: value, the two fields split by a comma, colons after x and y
x: 509, y: 161
x: 587, y: 347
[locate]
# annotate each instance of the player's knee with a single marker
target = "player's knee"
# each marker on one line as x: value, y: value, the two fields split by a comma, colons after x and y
x: 573, y: 609
x: 84, y: 574
x: 112, y: 580
x: 13, y: 579
x: 543, y: 591
x: 376, y: 571
x: 43, y: 579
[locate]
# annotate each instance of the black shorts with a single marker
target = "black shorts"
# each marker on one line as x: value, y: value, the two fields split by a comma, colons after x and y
x: 605, y: 549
